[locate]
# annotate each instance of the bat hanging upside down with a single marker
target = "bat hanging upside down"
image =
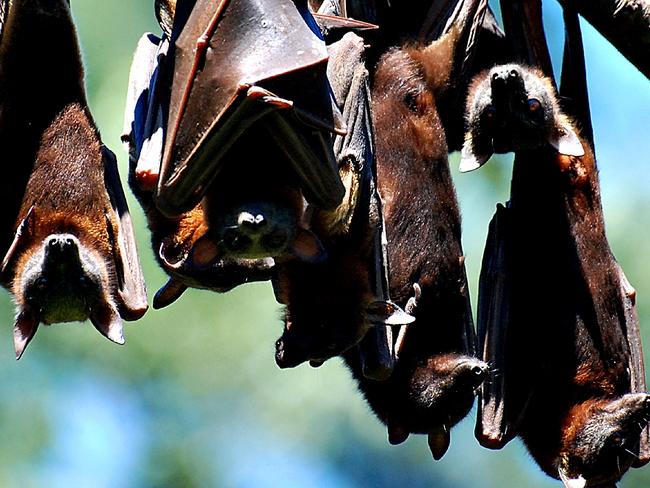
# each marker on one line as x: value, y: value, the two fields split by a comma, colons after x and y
x: 73, y: 255
x: 557, y: 317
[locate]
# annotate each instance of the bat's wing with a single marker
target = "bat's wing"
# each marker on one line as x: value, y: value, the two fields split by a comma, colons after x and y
x: 165, y: 11
x: 495, y: 426
x: 234, y: 63
x: 469, y: 334
x: 349, y: 79
x: 132, y: 294
x: 636, y: 365
x: 334, y: 27
x: 573, y: 81
x: 143, y: 114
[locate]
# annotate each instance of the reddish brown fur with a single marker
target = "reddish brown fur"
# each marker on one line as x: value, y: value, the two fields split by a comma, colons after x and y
x: 79, y: 209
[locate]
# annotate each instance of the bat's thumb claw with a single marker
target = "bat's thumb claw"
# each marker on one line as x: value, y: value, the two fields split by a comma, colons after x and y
x: 24, y: 330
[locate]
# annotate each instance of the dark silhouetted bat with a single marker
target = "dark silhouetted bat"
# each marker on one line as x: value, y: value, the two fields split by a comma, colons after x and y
x: 557, y: 317
x: 73, y: 254
x: 223, y: 121
x: 331, y: 305
x: 436, y: 376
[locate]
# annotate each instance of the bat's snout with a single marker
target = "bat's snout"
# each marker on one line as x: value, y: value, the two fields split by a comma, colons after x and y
x: 250, y: 223
x: 61, y: 245
x: 255, y: 235
x: 506, y: 78
x: 284, y: 357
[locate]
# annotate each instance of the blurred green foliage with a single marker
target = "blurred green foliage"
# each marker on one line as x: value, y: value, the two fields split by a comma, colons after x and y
x: 194, y: 398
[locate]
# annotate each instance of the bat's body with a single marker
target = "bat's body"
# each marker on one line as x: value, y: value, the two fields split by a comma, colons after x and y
x: 435, y: 377
x: 556, y: 314
x: 331, y: 305
x: 28, y: 106
x: 326, y: 303
x: 73, y: 255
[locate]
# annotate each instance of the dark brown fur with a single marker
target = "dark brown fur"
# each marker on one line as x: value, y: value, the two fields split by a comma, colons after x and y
x: 567, y: 295
x: 555, y: 197
x: 326, y: 302
x: 28, y: 104
x: 423, y: 228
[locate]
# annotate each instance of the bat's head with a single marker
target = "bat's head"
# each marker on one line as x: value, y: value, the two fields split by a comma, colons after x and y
x: 434, y: 396
x: 61, y: 279
x: 514, y: 108
x: 264, y: 229
x: 315, y: 337
x: 329, y: 309
x: 404, y: 108
x: 255, y: 208
x: 600, y: 439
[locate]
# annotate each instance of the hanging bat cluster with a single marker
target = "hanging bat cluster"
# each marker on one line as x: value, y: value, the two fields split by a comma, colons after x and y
x: 306, y: 143
x: 66, y: 235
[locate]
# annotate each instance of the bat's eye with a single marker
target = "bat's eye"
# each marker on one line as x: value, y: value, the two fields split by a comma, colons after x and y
x: 411, y: 101
x: 616, y: 440
x: 534, y: 105
x: 490, y: 113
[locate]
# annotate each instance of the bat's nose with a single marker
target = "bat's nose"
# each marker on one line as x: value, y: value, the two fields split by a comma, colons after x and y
x: 251, y: 223
x: 61, y: 244
x: 280, y: 358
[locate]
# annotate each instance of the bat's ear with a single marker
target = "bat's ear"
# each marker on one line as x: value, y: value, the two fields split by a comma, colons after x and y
x: 21, y: 236
x: 439, y: 442
x: 169, y: 293
x: 396, y: 433
x: 24, y: 329
x: 204, y: 252
x: 578, y: 482
x: 385, y: 312
x: 108, y: 322
x: 165, y: 10
x: 132, y: 294
x: 307, y: 247
x: 566, y: 141
x: 470, y: 159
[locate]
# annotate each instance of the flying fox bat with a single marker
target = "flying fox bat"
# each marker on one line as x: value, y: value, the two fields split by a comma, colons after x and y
x: 436, y: 375
x: 332, y: 305
x: 73, y: 254
x: 254, y: 210
x: 549, y: 282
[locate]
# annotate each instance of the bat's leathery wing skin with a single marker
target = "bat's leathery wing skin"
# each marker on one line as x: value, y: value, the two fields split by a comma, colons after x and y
x: 260, y: 57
